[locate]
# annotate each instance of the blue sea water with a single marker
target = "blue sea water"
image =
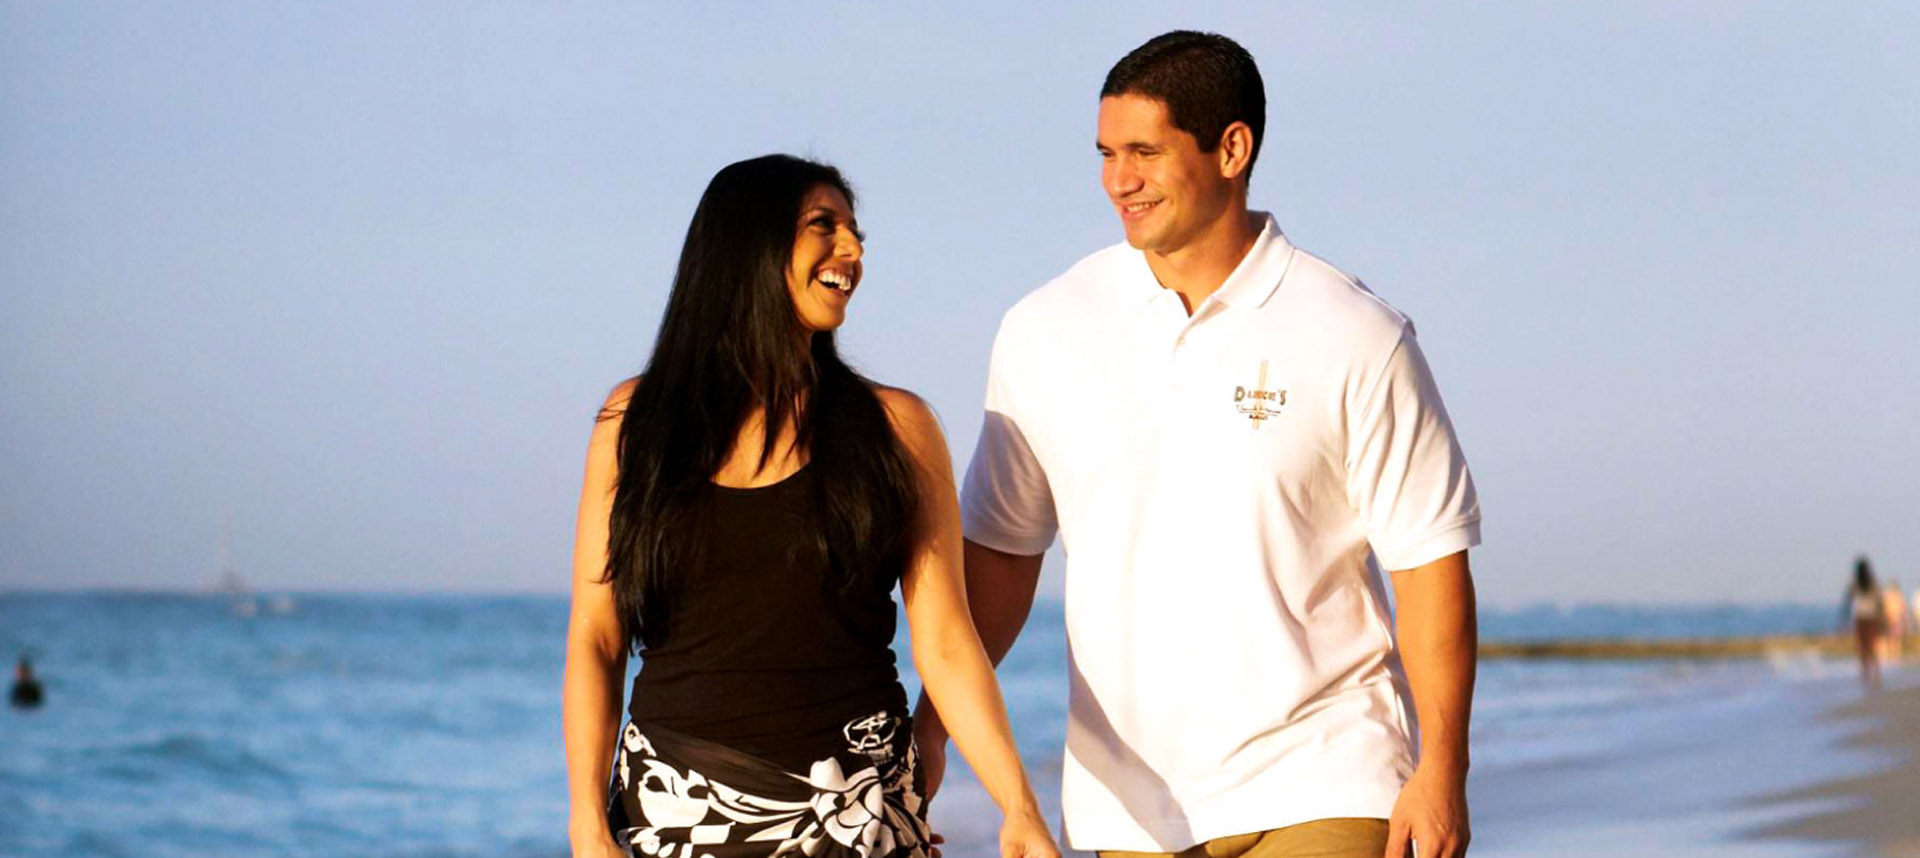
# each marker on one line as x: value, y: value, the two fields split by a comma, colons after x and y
x: 389, y: 726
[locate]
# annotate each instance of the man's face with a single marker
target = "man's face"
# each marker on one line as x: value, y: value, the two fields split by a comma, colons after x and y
x: 1165, y: 189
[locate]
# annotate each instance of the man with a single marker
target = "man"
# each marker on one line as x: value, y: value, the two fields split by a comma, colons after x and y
x: 26, y: 692
x: 1232, y: 439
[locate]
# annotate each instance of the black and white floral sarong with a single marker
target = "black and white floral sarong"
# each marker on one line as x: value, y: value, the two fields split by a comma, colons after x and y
x: 676, y: 796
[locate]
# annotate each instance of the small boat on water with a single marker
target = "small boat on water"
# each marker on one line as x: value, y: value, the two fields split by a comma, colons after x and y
x: 241, y: 598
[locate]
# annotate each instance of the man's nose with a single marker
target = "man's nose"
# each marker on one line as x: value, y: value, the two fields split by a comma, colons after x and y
x: 1122, y: 178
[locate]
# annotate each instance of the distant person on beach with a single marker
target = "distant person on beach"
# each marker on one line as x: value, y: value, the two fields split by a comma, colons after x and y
x: 1234, y: 438
x: 1893, y: 641
x: 26, y: 693
x: 750, y: 503
x: 1867, y: 611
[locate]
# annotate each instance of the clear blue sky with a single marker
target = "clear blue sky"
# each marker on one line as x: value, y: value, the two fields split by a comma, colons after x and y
x: 355, y: 275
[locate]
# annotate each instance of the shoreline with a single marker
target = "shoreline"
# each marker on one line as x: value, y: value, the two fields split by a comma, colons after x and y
x: 1876, y: 810
x: 1727, y: 647
x: 1699, y: 760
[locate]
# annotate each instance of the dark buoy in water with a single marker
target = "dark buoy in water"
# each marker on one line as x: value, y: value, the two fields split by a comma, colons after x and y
x: 27, y: 693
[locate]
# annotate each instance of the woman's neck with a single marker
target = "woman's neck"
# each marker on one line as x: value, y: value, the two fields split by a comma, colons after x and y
x: 750, y: 463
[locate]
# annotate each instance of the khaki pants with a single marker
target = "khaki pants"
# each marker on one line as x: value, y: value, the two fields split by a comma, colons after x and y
x: 1321, y: 838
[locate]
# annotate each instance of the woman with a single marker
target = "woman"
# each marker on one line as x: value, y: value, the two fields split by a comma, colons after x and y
x: 1867, y: 611
x: 749, y: 504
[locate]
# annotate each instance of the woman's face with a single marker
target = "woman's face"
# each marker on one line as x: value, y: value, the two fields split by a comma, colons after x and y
x: 826, y: 260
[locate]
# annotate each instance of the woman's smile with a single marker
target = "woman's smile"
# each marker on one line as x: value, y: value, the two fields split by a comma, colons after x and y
x: 826, y: 260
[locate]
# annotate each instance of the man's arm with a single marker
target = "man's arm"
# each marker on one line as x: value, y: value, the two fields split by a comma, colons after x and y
x: 1000, y: 589
x: 1438, y: 641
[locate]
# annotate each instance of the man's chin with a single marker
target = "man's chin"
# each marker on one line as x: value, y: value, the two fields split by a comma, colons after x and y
x: 1141, y: 240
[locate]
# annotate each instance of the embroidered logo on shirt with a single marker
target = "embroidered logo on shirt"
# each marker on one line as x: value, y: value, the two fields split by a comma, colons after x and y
x: 1259, y: 403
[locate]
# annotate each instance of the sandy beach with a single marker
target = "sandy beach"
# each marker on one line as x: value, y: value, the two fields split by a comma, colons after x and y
x: 1748, y: 759
x: 1878, y: 811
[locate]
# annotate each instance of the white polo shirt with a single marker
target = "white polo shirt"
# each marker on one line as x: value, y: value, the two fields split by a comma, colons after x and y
x: 1223, y: 485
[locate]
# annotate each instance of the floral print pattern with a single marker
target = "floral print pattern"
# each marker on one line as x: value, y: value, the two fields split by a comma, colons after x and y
x: 699, y: 800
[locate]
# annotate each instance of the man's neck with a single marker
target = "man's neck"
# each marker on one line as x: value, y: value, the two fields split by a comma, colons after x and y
x: 1202, y: 266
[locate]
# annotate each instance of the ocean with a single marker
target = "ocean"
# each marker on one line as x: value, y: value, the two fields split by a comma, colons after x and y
x: 410, y: 726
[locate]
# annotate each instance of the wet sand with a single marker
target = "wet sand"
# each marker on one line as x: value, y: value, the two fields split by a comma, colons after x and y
x: 1715, y: 758
x: 1878, y: 812
x: 1726, y: 763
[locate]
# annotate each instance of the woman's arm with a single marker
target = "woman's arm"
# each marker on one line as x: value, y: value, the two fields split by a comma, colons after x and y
x: 946, y: 649
x: 596, y: 646
x: 1000, y: 588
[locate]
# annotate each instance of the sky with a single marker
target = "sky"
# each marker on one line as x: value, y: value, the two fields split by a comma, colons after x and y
x: 348, y: 280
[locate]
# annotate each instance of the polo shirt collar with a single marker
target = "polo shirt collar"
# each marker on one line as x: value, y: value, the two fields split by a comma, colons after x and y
x: 1258, y: 276
x: 1252, y: 282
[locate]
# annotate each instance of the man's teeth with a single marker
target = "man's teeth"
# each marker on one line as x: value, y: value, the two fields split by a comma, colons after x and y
x: 837, y: 280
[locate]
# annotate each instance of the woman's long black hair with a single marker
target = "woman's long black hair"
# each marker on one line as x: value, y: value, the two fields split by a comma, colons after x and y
x: 728, y: 345
x: 1863, y: 575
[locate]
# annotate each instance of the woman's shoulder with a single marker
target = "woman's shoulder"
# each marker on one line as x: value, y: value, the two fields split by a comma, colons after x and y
x: 902, y: 405
x: 613, y: 411
x: 912, y: 419
x: 618, y: 398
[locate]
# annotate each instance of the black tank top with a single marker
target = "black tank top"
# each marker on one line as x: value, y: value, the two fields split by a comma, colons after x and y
x: 761, y: 652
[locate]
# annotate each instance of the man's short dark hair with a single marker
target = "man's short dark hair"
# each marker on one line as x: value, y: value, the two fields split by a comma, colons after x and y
x: 1206, y: 80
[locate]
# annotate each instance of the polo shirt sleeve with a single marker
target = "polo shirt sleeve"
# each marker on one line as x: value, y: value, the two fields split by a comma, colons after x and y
x: 1406, y: 477
x: 1006, y: 503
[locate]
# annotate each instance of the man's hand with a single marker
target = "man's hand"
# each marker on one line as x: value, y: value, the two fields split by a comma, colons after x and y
x: 1431, y: 813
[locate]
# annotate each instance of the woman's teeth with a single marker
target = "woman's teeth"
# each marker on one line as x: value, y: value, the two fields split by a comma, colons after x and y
x: 837, y: 280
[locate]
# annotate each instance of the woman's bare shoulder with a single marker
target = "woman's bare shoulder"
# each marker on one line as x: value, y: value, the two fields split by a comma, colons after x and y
x: 613, y: 412
x: 903, y: 405
x: 913, y: 419
x: 617, y: 400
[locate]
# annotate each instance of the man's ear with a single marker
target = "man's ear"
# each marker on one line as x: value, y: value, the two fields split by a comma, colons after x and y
x: 1235, y: 150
